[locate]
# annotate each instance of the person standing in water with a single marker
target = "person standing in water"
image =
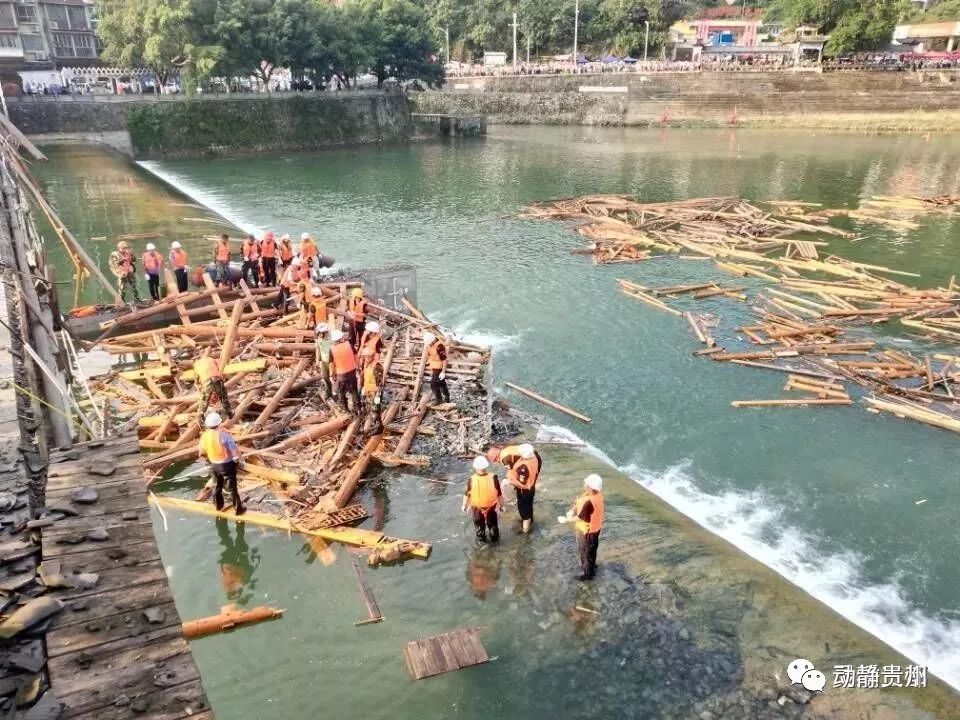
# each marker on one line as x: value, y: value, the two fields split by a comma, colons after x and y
x: 587, y: 516
x: 523, y: 465
x: 484, y: 497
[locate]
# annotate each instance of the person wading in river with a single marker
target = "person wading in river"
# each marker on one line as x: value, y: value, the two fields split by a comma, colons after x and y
x: 437, y: 362
x: 218, y: 448
x: 587, y: 515
x: 250, y: 251
x: 484, y: 497
x: 221, y: 261
x: 178, y: 261
x: 153, y: 266
x: 344, y: 364
x: 123, y: 266
x: 209, y: 377
x: 268, y: 248
x: 523, y: 465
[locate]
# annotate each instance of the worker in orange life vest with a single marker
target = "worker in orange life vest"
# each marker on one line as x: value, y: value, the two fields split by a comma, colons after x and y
x: 344, y: 364
x: 523, y: 465
x: 218, y: 448
x: 316, y: 311
x: 437, y: 362
x: 357, y: 314
x: 178, y: 261
x: 152, y: 266
x: 371, y: 393
x: 587, y: 516
x: 286, y: 251
x: 484, y: 497
x: 209, y: 377
x: 268, y: 250
x: 289, y: 281
x: 371, y: 344
x: 308, y: 250
x: 221, y: 261
x: 250, y: 251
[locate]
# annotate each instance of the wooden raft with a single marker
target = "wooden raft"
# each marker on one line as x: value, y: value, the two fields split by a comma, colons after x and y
x: 444, y: 653
x: 102, y: 647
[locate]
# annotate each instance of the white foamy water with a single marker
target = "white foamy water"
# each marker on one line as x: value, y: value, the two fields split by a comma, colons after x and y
x: 214, y: 201
x: 746, y: 521
x: 465, y: 329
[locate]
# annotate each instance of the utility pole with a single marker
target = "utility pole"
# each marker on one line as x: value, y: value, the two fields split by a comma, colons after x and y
x: 576, y: 23
x: 446, y: 32
x: 514, y: 43
x: 528, y: 49
x: 646, y: 39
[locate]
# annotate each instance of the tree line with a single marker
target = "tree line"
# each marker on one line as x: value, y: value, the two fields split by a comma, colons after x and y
x: 203, y: 39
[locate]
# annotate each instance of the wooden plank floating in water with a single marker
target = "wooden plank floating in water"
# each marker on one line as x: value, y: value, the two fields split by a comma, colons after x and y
x: 548, y: 403
x: 444, y: 653
x: 121, y: 636
x: 373, y: 610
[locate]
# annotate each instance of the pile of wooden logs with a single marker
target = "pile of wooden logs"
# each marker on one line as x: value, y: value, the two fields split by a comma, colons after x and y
x: 304, y: 456
x: 811, y: 302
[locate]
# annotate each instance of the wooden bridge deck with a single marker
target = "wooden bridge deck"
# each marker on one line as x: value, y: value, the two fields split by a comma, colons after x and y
x: 106, y: 658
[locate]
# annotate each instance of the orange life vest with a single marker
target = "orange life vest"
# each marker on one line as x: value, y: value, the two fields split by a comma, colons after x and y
x: 251, y: 253
x: 178, y: 258
x: 308, y: 249
x: 344, y: 361
x: 286, y: 252
x: 358, y: 308
x: 319, y: 311
x: 509, y: 455
x: 596, y: 517
x: 533, y: 470
x: 370, y: 386
x: 483, y: 493
x: 152, y: 262
x: 433, y: 355
x: 368, y: 345
x: 268, y: 247
x: 205, y: 369
x: 213, y: 446
x: 223, y: 250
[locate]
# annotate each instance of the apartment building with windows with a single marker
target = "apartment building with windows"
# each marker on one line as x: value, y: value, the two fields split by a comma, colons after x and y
x: 45, y: 35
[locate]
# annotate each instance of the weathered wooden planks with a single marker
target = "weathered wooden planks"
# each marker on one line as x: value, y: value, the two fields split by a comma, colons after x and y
x: 444, y: 653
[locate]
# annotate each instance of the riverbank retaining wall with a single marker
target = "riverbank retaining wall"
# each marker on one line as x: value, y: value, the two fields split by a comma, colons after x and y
x: 197, y: 127
x: 693, y: 98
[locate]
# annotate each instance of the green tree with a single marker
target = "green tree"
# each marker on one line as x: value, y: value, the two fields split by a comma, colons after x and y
x: 150, y: 33
x: 399, y: 41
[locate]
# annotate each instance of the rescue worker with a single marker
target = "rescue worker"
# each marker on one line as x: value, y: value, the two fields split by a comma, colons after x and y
x: 123, y: 266
x: 250, y: 251
x: 437, y: 362
x: 218, y: 448
x: 316, y: 312
x: 308, y: 250
x: 357, y: 313
x: 344, y: 364
x: 288, y: 282
x: 178, y: 261
x: 587, y: 515
x: 523, y: 465
x: 268, y: 252
x: 371, y: 344
x: 221, y: 261
x: 323, y: 344
x: 286, y: 251
x: 152, y: 266
x: 371, y: 383
x: 304, y: 286
x: 483, y: 496
x: 209, y: 377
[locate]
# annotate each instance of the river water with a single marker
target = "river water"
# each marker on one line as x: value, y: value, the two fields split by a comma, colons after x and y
x: 825, y: 497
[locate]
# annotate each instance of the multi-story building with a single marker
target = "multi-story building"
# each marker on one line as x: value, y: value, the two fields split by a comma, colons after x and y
x: 44, y: 35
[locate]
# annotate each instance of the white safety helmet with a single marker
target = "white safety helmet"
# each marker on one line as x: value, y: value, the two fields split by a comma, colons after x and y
x: 321, y: 328
x: 372, y: 326
x: 316, y: 292
x: 175, y: 245
x: 594, y: 482
x: 296, y: 262
x: 337, y: 335
x: 305, y: 236
x: 480, y: 463
x: 213, y: 420
x: 285, y: 236
x: 526, y: 451
x: 151, y: 246
x: 428, y: 337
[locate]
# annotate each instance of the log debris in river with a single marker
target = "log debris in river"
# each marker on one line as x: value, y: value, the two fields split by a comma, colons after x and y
x: 813, y: 309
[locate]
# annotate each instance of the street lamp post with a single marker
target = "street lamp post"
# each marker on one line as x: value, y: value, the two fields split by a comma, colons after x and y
x: 646, y: 39
x: 446, y: 32
x: 514, y: 43
x: 576, y: 23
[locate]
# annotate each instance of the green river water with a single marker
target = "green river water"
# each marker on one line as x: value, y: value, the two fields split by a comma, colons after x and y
x: 824, y: 497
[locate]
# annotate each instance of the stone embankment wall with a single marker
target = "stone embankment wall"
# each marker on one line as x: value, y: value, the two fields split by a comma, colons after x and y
x: 697, y: 99
x: 218, y: 125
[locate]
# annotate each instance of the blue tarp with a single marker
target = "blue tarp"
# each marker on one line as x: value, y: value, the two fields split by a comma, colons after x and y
x: 629, y: 60
x: 582, y: 60
x: 609, y: 60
